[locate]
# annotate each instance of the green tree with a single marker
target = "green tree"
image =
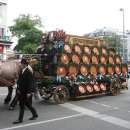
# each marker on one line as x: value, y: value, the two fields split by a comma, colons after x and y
x: 26, y: 28
x: 114, y: 42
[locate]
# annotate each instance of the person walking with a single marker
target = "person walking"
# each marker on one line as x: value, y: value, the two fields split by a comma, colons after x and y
x: 24, y: 88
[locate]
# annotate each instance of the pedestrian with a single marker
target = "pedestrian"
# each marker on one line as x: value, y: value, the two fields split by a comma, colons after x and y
x: 24, y: 88
x: 15, y: 99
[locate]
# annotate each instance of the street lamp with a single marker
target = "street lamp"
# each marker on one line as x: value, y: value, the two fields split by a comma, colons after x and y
x: 121, y: 9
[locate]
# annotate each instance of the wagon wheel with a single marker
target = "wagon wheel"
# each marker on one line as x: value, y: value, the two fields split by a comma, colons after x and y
x: 116, y: 87
x: 61, y: 94
x: 46, y: 94
x: 115, y: 91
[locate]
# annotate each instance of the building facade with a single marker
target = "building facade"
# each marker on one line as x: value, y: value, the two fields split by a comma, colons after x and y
x: 5, y: 41
x: 128, y: 42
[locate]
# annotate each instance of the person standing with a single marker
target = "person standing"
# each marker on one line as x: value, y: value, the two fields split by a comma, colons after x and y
x: 50, y: 56
x: 24, y: 88
x: 41, y: 49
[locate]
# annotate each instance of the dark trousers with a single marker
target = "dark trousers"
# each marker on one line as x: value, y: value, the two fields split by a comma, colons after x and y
x: 23, y: 101
x: 52, y: 69
x: 16, y: 98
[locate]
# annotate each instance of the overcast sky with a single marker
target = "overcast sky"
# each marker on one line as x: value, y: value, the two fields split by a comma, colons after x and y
x: 74, y: 16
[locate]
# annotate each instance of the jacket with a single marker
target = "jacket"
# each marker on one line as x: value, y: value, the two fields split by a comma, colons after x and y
x: 25, y: 81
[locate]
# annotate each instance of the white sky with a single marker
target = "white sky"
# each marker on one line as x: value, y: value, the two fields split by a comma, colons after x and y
x: 74, y: 16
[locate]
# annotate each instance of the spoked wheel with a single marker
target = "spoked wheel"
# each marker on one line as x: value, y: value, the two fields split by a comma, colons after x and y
x: 47, y: 96
x: 45, y: 93
x: 61, y: 94
x: 115, y: 90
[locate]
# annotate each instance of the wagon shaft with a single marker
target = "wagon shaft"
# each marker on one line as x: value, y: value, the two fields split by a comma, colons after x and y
x: 4, y: 82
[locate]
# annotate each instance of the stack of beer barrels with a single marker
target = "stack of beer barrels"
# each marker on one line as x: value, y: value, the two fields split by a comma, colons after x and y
x: 84, y: 60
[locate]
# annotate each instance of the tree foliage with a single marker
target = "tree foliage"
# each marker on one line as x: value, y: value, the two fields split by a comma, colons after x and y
x: 114, y: 42
x: 26, y: 28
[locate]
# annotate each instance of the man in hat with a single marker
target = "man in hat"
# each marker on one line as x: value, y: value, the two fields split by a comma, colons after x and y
x: 24, y: 88
x: 42, y: 49
x: 50, y: 56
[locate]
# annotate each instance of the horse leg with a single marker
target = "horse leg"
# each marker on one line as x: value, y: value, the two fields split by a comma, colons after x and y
x: 14, y: 101
x: 9, y: 95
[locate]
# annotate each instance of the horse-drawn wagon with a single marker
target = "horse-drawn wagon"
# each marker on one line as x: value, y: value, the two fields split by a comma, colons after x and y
x: 81, y: 68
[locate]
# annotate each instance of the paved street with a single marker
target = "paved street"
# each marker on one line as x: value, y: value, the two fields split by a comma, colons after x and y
x: 97, y: 113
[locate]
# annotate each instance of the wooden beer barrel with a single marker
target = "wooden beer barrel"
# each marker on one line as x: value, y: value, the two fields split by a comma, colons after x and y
x: 104, y: 50
x: 111, y: 59
x: 65, y: 58
x: 84, y: 69
x: 103, y: 86
x: 118, y: 69
x: 110, y: 69
x: 81, y: 88
x: 61, y: 70
x: 87, y: 49
x: 68, y: 47
x: 89, y: 88
x: 96, y: 50
x: 73, y: 69
x: 86, y: 58
x: 78, y: 48
x: 102, y: 69
x: 124, y: 68
x: 75, y: 57
x: 103, y: 58
x: 112, y: 51
x: 96, y: 87
x: 118, y: 59
x: 94, y: 59
x: 93, y: 69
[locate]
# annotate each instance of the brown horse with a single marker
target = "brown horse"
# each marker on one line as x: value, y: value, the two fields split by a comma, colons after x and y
x: 9, y: 72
